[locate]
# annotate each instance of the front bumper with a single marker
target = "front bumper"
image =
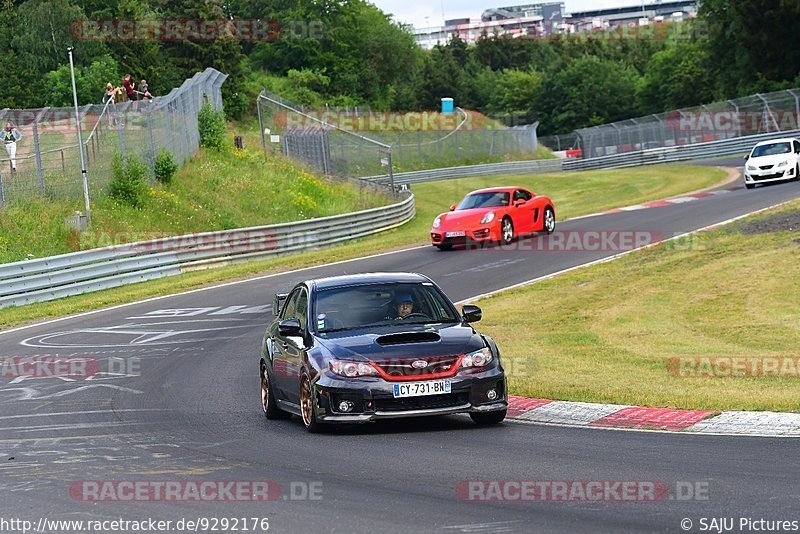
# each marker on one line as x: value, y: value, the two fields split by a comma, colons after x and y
x: 479, y: 235
x: 373, y: 399
x: 771, y: 175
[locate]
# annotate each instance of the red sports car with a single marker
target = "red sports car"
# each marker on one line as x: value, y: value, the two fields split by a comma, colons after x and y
x: 497, y: 214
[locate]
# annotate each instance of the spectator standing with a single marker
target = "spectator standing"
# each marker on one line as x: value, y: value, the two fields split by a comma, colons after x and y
x: 144, y: 91
x: 10, y: 138
x: 130, y: 88
x: 109, y: 93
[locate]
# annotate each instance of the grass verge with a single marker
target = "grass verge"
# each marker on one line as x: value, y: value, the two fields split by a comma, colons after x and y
x: 574, y: 194
x: 607, y: 333
x: 216, y: 190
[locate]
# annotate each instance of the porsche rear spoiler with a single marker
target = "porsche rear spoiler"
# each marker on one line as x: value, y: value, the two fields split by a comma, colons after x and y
x: 277, y: 302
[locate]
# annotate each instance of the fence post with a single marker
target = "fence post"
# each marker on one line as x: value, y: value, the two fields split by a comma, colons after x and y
x: 151, y: 143
x: 261, y: 125
x: 2, y: 197
x: 391, y: 171
x: 120, y: 126
x: 38, y: 150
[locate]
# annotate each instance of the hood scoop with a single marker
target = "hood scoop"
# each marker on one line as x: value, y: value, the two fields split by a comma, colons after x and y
x: 408, y: 337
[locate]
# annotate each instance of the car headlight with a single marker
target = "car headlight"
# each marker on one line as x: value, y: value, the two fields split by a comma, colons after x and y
x: 751, y: 168
x: 489, y: 217
x: 351, y: 369
x: 478, y: 358
x: 437, y: 222
x: 782, y: 164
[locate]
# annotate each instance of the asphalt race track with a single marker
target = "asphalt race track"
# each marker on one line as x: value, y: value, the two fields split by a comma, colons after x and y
x: 177, y: 398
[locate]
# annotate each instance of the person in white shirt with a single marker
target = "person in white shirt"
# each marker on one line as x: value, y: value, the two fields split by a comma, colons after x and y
x: 10, y: 138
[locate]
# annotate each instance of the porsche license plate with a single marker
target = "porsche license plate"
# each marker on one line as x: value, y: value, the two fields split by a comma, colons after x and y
x: 460, y: 233
x: 419, y: 389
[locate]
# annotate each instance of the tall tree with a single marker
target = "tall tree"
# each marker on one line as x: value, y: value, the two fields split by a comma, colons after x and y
x: 753, y: 43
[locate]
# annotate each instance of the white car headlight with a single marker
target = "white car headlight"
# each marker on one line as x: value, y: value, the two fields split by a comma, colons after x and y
x: 478, y: 358
x: 782, y: 163
x: 751, y: 168
x: 489, y: 217
x: 437, y: 222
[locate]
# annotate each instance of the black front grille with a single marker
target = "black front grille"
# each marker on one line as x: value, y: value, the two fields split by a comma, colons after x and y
x: 428, y: 402
x: 405, y: 367
x: 768, y: 176
x: 766, y: 167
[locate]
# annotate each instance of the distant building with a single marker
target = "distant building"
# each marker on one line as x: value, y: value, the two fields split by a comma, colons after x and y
x: 551, y: 18
x: 632, y: 15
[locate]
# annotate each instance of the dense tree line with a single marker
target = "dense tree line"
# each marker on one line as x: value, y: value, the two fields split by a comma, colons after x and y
x: 348, y: 52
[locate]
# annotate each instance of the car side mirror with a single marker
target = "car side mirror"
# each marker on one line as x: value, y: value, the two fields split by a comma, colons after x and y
x: 290, y: 327
x: 277, y: 302
x: 518, y: 203
x: 453, y: 207
x: 472, y: 314
x: 747, y: 157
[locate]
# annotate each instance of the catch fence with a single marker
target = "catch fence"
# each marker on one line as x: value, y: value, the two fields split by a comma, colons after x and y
x: 47, y: 157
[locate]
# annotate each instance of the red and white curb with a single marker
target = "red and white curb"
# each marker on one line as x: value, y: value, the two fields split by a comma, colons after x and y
x: 674, y: 200
x: 586, y: 414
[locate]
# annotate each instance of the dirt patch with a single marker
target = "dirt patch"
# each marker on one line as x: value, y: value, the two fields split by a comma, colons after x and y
x: 779, y: 222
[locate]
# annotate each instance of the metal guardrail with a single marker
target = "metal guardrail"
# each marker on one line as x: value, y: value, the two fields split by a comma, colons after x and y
x: 537, y: 166
x: 653, y: 156
x: 711, y: 149
x: 44, y: 279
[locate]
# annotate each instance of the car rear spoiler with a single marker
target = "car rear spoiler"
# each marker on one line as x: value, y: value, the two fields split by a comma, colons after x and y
x: 277, y: 302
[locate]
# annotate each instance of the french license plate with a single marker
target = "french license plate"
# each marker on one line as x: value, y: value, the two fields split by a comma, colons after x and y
x: 460, y: 233
x: 419, y: 389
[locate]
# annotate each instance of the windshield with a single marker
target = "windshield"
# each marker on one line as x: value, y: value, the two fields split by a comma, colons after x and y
x: 349, y: 308
x: 771, y: 150
x: 494, y: 199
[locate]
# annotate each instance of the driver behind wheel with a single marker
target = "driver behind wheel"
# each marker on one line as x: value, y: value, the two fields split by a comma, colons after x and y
x: 403, y: 306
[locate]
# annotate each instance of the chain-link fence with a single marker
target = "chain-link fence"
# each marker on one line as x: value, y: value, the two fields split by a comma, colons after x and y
x: 361, y: 142
x: 751, y: 115
x: 47, y: 159
x: 560, y: 142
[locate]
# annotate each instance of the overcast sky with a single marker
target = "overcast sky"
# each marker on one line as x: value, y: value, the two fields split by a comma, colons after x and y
x: 415, y: 11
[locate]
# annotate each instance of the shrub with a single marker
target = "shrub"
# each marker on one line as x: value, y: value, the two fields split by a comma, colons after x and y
x: 129, y: 181
x: 211, y: 124
x: 165, y: 167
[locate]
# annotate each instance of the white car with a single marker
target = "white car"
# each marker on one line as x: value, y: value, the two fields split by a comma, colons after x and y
x: 772, y: 161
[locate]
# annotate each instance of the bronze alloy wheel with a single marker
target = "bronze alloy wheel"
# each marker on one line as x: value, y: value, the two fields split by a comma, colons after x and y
x: 268, y: 403
x: 306, y: 402
x: 264, y: 390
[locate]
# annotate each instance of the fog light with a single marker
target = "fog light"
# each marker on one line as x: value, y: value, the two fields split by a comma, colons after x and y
x: 346, y: 406
x: 491, y: 394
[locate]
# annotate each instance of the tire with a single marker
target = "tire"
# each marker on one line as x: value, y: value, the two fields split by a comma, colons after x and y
x: 268, y: 404
x: 549, y: 220
x: 488, y: 418
x: 749, y: 186
x: 308, y: 406
x: 796, y: 173
x: 506, y: 231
